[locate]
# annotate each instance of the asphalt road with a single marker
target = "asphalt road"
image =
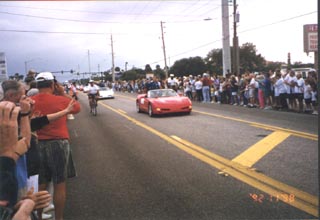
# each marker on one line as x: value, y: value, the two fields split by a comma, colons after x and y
x: 196, y: 166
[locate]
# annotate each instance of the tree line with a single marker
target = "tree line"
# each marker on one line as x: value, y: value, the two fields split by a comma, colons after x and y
x: 250, y: 60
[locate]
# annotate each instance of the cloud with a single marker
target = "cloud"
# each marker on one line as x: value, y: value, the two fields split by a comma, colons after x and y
x: 70, y: 29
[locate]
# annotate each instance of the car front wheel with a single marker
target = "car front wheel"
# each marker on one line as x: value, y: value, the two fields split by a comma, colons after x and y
x: 150, y: 112
x: 138, y: 108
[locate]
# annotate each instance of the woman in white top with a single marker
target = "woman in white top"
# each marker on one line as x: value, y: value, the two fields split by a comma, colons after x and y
x: 198, y: 87
x: 280, y: 91
x: 289, y: 81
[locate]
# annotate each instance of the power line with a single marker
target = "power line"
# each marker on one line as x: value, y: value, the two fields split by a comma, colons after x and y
x: 252, y: 29
x: 59, y: 19
x: 93, y: 33
x: 187, y: 4
x: 53, y: 32
x: 277, y: 22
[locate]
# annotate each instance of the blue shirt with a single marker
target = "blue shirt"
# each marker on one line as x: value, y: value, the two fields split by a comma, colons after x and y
x: 21, y: 172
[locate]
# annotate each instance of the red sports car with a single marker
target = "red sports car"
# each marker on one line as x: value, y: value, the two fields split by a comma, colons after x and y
x: 163, y: 101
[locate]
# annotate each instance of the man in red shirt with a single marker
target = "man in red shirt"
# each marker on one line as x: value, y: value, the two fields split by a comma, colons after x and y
x: 53, y: 139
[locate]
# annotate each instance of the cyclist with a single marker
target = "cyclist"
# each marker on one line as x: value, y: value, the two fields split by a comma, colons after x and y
x: 93, y: 92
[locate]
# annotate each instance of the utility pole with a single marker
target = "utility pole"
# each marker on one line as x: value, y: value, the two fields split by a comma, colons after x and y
x: 226, y: 38
x: 164, y: 51
x: 89, y: 63
x: 113, y: 75
x: 236, y: 62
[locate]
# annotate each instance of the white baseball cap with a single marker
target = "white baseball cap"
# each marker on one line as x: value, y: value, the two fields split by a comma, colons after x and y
x: 44, y: 76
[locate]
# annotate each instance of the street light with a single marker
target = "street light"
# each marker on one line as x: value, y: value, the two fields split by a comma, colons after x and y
x: 26, y: 64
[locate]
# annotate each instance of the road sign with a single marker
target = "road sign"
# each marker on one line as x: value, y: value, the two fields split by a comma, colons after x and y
x: 310, y: 38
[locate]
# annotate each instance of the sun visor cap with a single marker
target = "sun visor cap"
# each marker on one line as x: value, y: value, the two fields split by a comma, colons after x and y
x: 44, y: 76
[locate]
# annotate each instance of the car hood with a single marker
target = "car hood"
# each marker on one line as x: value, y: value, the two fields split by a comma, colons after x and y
x: 170, y: 100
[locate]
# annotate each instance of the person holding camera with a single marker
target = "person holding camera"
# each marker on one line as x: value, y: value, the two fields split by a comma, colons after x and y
x: 13, y: 146
x: 14, y: 92
x: 53, y: 139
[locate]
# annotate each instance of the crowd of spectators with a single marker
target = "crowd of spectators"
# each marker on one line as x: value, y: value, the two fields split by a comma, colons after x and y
x: 34, y: 146
x: 284, y: 91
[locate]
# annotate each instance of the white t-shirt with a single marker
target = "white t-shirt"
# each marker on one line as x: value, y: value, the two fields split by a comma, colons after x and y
x: 93, y: 89
x: 221, y: 85
x: 279, y: 87
x: 252, y: 84
x: 307, y: 92
x: 198, y: 85
x: 290, y: 79
x: 299, y: 87
x: 172, y: 82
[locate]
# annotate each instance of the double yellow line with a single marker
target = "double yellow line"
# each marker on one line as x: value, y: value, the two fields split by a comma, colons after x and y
x: 301, y: 200
x: 276, y: 189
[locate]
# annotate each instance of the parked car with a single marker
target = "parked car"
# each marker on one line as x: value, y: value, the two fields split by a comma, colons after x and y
x: 106, y: 93
x: 163, y: 101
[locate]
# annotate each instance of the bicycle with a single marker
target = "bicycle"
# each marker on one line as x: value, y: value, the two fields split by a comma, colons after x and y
x: 93, y: 105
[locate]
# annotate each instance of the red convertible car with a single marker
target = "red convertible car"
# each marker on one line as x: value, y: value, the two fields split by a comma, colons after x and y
x: 163, y: 101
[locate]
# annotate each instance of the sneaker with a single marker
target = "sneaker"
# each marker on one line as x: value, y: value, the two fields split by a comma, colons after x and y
x: 48, y: 208
x: 46, y: 216
x: 219, y: 102
x: 314, y: 112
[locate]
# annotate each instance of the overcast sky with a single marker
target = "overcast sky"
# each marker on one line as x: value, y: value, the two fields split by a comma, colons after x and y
x: 57, y: 35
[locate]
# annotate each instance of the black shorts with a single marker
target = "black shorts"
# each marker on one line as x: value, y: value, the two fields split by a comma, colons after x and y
x: 307, y: 101
x: 56, y: 162
x: 291, y: 96
x: 92, y: 95
x: 299, y: 96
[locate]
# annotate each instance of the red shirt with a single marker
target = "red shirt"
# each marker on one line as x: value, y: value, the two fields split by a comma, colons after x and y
x: 47, y: 104
x: 206, y: 81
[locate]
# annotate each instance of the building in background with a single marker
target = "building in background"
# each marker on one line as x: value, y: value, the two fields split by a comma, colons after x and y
x: 3, y: 67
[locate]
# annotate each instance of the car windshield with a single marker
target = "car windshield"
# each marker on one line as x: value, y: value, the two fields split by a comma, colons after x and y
x: 161, y: 93
x: 103, y: 88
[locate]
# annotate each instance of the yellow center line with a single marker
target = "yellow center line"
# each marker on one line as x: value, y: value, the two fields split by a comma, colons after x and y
x: 303, y: 201
x: 254, y: 153
x: 120, y: 110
